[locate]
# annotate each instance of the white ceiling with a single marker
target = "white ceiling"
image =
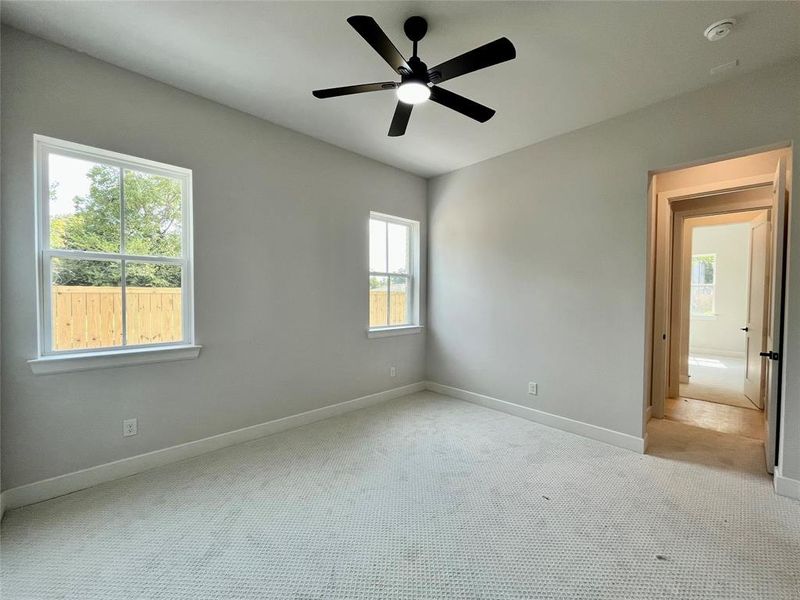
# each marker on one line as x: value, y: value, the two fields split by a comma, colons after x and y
x: 577, y: 63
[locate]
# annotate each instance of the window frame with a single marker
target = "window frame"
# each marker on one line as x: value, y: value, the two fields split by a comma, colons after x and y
x: 45, y: 146
x: 713, y: 314
x: 412, y: 277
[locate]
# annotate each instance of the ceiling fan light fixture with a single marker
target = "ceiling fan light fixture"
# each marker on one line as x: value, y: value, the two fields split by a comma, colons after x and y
x: 413, y: 92
x: 417, y: 82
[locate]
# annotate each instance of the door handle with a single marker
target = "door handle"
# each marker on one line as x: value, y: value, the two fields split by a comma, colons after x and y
x: 745, y: 328
x: 770, y: 355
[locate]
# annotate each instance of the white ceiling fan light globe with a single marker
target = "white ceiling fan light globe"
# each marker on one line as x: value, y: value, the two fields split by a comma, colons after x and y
x: 413, y: 92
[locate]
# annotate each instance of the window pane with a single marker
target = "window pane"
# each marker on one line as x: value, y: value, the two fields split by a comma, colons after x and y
x: 377, y: 246
x: 153, y: 300
x: 152, y: 214
x: 378, y: 302
x: 399, y: 306
x: 84, y: 207
x: 86, y: 303
x: 702, y: 301
x: 703, y: 269
x: 398, y: 248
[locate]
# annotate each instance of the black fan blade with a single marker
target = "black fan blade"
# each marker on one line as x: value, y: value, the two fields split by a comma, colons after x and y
x: 354, y: 89
x: 465, y: 106
x: 400, y: 119
x: 371, y: 31
x: 487, y: 55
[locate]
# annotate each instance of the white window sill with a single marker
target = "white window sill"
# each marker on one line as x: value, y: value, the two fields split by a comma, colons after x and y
x: 64, y: 363
x: 380, y: 332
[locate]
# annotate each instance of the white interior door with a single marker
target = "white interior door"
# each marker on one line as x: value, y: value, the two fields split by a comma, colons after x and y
x: 758, y: 297
x: 775, y: 329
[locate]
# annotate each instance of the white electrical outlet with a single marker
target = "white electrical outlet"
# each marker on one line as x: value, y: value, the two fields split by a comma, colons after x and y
x: 392, y: 372
x: 533, y: 388
x: 130, y: 427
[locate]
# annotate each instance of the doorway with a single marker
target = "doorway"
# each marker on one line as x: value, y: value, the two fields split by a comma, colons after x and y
x: 716, y: 283
x: 726, y: 306
x: 724, y: 278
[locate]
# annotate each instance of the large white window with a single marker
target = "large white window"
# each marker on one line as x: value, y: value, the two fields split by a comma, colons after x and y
x: 114, y: 250
x: 393, y: 277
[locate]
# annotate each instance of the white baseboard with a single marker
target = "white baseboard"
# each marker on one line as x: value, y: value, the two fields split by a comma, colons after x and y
x: 615, y: 438
x: 786, y: 486
x: 78, y: 480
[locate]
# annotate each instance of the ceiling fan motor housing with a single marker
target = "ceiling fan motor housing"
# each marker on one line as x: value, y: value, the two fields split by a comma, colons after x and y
x: 419, y: 71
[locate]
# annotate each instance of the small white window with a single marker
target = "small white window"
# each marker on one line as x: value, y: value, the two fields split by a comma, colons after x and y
x: 114, y: 249
x: 704, y: 274
x: 393, y: 273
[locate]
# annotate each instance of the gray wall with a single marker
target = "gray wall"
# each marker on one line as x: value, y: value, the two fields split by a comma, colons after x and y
x: 537, y: 257
x: 280, y: 257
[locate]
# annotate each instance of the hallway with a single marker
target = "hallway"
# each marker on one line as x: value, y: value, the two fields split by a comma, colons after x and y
x: 716, y: 417
x: 718, y: 379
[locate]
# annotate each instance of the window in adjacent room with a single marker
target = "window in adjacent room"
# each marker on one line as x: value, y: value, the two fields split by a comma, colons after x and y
x: 704, y: 267
x: 114, y: 250
x: 393, y: 285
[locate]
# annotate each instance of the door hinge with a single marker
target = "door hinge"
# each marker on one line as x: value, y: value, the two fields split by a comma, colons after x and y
x: 770, y: 355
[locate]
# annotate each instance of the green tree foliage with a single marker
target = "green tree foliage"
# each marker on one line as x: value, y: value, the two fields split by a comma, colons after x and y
x: 152, y: 228
x: 152, y: 215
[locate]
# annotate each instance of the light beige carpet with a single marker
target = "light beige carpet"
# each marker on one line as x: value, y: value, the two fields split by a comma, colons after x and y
x: 424, y: 497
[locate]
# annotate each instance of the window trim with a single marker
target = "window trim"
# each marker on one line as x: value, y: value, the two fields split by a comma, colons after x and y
x: 379, y: 332
x: 109, y: 355
x: 141, y: 355
x: 713, y: 314
x: 413, y: 325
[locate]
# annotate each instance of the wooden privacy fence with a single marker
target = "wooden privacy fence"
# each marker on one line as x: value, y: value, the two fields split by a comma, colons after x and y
x: 378, y: 308
x: 91, y: 317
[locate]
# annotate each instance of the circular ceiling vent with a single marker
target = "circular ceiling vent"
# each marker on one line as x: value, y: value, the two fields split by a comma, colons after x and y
x: 720, y: 29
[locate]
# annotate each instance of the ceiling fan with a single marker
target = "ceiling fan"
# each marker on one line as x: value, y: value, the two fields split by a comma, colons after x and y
x: 418, y: 83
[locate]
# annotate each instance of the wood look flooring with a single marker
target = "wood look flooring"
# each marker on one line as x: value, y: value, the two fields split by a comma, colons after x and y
x: 717, y: 417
